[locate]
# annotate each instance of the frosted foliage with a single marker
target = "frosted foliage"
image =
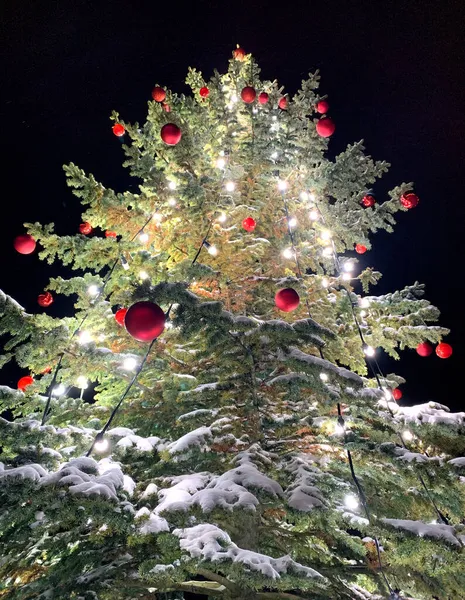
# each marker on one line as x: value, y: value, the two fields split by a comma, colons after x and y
x: 457, y: 462
x: 430, y: 412
x: 439, y: 531
x: 208, y: 542
x: 32, y: 471
x: 303, y: 494
x: 151, y: 522
x: 197, y: 438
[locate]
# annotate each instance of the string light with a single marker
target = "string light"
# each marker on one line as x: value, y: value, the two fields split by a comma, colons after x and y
x: 303, y: 196
x: 230, y: 186
x: 144, y: 237
x: 312, y: 197
x: 212, y: 249
x: 346, y: 276
x: 313, y: 214
x: 84, y: 338
x: 172, y: 185
x: 292, y: 222
x: 407, y: 435
x: 349, y: 266
x: 369, y: 350
x: 326, y: 235
x: 143, y: 275
x: 82, y: 382
x: 339, y: 429
x: 351, y: 502
x: 124, y: 263
x: 221, y: 163
x: 255, y: 110
x: 101, y: 443
x: 324, y: 377
x: 129, y: 363
x: 288, y: 253
x: 363, y: 313
x: 157, y: 217
x: 59, y: 390
x: 234, y: 98
x: 282, y: 185
x: 364, y: 302
x: 93, y: 290
x: 274, y: 156
x: 387, y: 394
x: 172, y: 201
x: 222, y: 218
x: 325, y: 282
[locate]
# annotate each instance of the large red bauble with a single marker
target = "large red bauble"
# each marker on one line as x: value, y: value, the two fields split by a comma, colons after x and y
x: 145, y: 321
x: 171, y: 134
x: 204, y: 91
x: 118, y: 129
x: 444, y: 350
x: 287, y: 299
x: 409, y: 200
x: 24, y: 244
x: 249, y: 224
x: 322, y: 107
x: 424, y: 349
x: 248, y: 94
x: 368, y: 201
x: 282, y: 103
x: 263, y: 98
x: 158, y: 94
x: 397, y: 394
x: 239, y: 53
x: 110, y: 234
x: 360, y: 248
x: 25, y: 382
x: 120, y: 316
x: 85, y: 228
x: 325, y: 127
x: 45, y: 299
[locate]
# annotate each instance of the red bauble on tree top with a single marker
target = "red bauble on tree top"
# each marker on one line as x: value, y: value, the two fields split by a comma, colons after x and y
x: 158, y: 94
x: 204, y: 92
x: 409, y: 200
x: 322, y: 107
x: 110, y: 234
x: 85, y: 228
x: 263, y: 98
x: 45, y: 299
x: 249, y: 224
x: 118, y: 129
x: 287, y: 299
x: 325, y: 127
x: 248, y: 94
x: 25, y: 382
x: 368, y: 201
x: 239, y: 53
x: 444, y: 350
x: 360, y: 248
x: 424, y: 349
x: 397, y: 394
x: 145, y: 321
x: 283, y: 103
x: 24, y: 244
x: 120, y: 316
x: 171, y: 134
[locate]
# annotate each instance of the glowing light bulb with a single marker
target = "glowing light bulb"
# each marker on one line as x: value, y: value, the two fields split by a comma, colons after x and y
x: 144, y: 237
x: 326, y: 235
x: 346, y: 276
x: 213, y: 250
x: 230, y: 186
x: 143, y: 275
x: 274, y: 117
x: 349, y: 266
x: 282, y: 185
x: 387, y: 394
x: 363, y: 313
x: 221, y: 153
x: 274, y: 156
x: 124, y: 263
x: 59, y: 390
x: 222, y: 218
x: 325, y: 282
x: 234, y: 98
x: 129, y: 363
x: 93, y: 290
x: 157, y: 217
x: 313, y: 214
x: 364, y: 302
x: 82, y: 382
x: 327, y: 252
x: 288, y: 253
x: 172, y: 201
x: 351, y: 502
x: 303, y: 196
x: 221, y: 163
x: 324, y: 377
x: 407, y: 435
x: 369, y: 351
x: 339, y: 429
x: 255, y: 110
x: 172, y: 185
x: 292, y: 222
x: 312, y: 197
x: 101, y: 444
x: 84, y: 338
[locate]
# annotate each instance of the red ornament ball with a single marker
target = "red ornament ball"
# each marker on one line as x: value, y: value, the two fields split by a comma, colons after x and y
x: 287, y: 299
x: 204, y: 91
x: 85, y: 228
x: 368, y: 201
x: 239, y: 53
x: 120, y: 316
x: 249, y: 224
x: 397, y: 394
x: 424, y: 349
x: 322, y: 107
x: 24, y: 244
x: 360, y: 248
x: 145, y: 321
x: 325, y: 127
x: 248, y: 94
x: 118, y: 129
x: 409, y: 200
x: 166, y: 107
x: 25, y: 382
x: 444, y: 350
x: 263, y: 98
x: 171, y: 134
x: 111, y: 234
x: 158, y: 94
x: 282, y: 103
x: 45, y: 299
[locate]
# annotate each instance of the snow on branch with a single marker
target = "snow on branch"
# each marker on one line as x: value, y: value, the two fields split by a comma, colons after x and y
x: 431, y: 413
x: 438, y: 531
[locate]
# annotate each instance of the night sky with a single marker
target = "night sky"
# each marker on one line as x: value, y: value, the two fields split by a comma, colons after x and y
x: 394, y: 73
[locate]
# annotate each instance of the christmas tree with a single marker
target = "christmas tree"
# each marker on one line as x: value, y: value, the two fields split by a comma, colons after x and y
x: 212, y: 420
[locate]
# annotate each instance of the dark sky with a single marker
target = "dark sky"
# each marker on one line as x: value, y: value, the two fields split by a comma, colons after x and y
x: 394, y: 72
